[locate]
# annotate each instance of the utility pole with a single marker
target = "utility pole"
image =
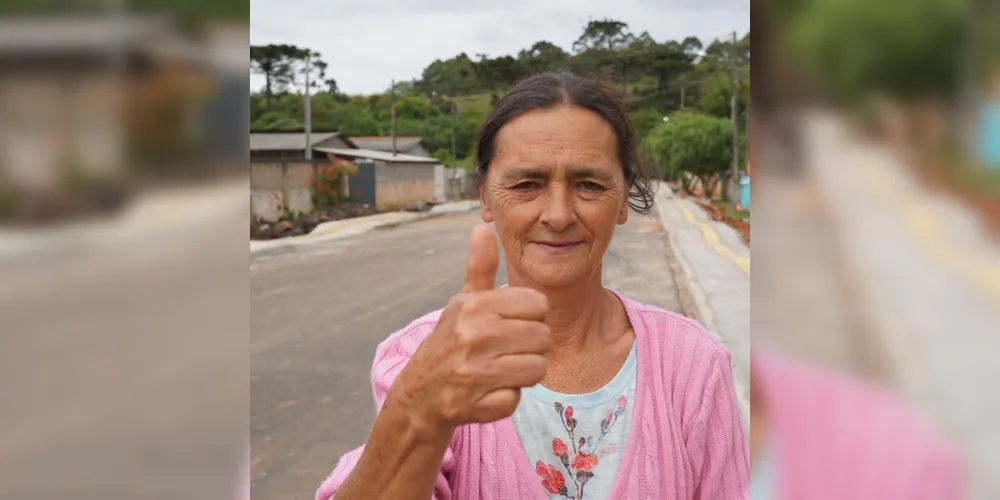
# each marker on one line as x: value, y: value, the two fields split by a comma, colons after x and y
x: 733, y: 111
x: 393, y: 101
x: 308, y: 106
x: 625, y: 80
x: 454, y: 151
x: 683, y: 94
x: 748, y: 136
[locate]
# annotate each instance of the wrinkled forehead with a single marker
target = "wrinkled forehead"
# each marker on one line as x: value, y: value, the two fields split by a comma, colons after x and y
x: 558, y: 138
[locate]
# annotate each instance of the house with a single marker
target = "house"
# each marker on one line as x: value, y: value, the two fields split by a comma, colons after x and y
x: 72, y: 94
x: 408, y: 145
x: 389, y: 181
x: 272, y: 146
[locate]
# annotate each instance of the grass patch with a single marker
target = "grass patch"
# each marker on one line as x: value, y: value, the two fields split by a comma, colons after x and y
x: 974, y: 177
x: 729, y: 208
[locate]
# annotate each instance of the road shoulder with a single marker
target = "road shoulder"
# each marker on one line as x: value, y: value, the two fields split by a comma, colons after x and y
x: 712, y: 271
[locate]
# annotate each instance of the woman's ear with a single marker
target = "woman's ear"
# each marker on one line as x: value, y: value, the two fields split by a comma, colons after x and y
x: 485, y: 212
x: 623, y: 210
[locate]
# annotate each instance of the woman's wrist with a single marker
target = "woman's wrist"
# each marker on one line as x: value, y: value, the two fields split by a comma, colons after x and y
x: 419, y: 422
x: 402, y: 457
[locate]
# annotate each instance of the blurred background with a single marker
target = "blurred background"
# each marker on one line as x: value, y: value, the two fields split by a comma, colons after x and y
x: 122, y: 288
x: 876, y: 184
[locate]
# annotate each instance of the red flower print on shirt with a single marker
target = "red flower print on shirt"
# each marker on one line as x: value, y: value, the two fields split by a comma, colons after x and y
x: 559, y: 447
x: 552, y: 478
x: 579, y: 455
x: 585, y: 461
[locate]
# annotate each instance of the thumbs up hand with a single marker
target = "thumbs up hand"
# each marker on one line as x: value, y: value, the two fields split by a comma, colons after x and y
x: 487, y: 345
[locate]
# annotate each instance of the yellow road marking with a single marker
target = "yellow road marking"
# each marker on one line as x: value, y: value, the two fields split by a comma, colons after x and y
x: 714, y: 240
x: 928, y: 230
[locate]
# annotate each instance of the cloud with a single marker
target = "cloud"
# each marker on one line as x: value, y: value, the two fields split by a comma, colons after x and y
x: 367, y: 43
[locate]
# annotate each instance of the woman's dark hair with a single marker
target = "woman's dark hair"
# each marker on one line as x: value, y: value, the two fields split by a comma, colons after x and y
x: 548, y: 90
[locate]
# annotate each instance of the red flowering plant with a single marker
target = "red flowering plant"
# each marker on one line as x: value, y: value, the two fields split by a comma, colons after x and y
x: 329, y: 183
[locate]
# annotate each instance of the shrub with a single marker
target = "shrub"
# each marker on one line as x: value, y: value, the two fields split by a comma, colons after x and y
x: 328, y: 184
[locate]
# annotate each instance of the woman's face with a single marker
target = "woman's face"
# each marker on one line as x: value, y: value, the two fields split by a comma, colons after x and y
x: 555, y: 189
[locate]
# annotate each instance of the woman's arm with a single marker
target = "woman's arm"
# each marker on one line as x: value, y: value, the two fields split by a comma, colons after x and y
x: 398, y: 454
x: 402, y: 459
x: 717, y: 442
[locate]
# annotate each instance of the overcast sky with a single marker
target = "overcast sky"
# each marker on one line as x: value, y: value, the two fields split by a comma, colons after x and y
x: 367, y: 43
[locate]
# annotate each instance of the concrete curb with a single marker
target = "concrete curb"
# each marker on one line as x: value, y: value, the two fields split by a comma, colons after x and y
x: 349, y: 227
x: 146, y: 218
x: 428, y: 215
x: 692, y: 297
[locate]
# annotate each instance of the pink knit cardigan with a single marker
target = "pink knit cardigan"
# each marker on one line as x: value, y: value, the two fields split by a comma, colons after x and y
x: 686, y: 439
x: 835, y: 437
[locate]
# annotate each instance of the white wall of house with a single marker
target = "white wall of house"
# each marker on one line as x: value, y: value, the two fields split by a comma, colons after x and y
x: 279, y: 188
x: 400, y: 184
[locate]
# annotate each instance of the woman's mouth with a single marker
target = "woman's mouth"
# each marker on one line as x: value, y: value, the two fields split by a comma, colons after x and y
x: 558, y: 246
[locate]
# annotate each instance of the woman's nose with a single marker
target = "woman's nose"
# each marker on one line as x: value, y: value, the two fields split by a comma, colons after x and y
x: 558, y: 212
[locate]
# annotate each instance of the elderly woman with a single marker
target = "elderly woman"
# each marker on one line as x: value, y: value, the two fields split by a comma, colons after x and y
x: 553, y: 386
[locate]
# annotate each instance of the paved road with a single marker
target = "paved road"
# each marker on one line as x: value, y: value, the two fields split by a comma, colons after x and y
x: 318, y: 313
x: 803, y: 300
x: 121, y: 367
x: 928, y: 277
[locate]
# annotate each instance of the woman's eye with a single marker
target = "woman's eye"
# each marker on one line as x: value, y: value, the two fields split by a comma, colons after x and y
x: 592, y: 186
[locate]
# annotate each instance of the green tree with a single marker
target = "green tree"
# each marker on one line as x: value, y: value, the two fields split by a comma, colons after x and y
x: 715, y: 91
x: 543, y: 56
x: 276, y: 63
x: 695, y: 144
x: 691, y: 46
x: 317, y: 69
x: 644, y: 120
x: 902, y: 48
x: 599, y: 49
x: 256, y: 106
x: 449, y: 77
x: 499, y: 72
x: 443, y: 156
x: 415, y: 105
x: 604, y: 35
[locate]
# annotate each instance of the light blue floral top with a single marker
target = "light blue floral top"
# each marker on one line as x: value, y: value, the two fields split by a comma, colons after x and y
x: 577, y: 441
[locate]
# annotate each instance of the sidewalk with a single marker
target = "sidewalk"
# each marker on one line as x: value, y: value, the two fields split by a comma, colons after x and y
x: 147, y: 219
x: 712, y: 268
x: 930, y: 280
x: 348, y: 227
